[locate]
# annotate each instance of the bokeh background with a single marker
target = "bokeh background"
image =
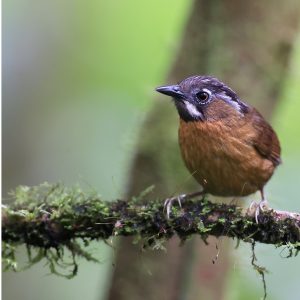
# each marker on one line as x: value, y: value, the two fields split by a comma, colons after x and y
x: 78, y: 81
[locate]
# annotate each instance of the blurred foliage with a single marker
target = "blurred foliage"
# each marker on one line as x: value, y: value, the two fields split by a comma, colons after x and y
x: 286, y: 119
x: 112, y: 45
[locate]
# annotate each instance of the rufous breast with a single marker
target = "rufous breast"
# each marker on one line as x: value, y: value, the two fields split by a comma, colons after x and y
x: 222, y: 158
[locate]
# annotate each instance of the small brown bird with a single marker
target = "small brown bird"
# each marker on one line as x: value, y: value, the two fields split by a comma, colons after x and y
x: 226, y: 144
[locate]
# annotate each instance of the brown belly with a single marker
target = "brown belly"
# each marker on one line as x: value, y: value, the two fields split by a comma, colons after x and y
x: 223, y: 163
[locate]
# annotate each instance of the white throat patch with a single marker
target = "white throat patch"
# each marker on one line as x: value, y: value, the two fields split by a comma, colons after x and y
x: 192, y: 110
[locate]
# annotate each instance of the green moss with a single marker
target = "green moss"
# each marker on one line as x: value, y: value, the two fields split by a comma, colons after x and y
x: 51, y: 220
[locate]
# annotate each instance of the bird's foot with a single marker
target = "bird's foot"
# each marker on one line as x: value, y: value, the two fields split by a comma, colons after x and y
x: 169, y: 203
x: 253, y: 205
x: 258, y: 207
x: 262, y: 206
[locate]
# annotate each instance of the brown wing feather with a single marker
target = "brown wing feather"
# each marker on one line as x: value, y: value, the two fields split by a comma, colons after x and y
x: 266, y: 141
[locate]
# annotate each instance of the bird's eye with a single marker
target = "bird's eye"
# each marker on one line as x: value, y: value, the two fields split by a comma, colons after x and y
x: 202, y: 96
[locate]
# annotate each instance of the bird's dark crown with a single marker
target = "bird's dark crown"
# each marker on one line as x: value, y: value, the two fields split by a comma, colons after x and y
x: 193, y: 95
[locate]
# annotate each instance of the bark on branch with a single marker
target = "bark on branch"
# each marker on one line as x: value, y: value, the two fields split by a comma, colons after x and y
x: 49, y: 216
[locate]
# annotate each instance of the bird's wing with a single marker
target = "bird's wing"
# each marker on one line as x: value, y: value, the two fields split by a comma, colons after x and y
x: 266, y: 141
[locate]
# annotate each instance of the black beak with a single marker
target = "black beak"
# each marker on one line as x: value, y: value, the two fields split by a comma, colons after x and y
x: 171, y: 90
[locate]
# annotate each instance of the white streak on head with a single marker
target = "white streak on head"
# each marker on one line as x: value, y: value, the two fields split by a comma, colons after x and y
x: 192, y: 110
x: 224, y: 96
x: 230, y: 101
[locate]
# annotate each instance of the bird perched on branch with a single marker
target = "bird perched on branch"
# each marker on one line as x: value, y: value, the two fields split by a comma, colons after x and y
x: 226, y: 144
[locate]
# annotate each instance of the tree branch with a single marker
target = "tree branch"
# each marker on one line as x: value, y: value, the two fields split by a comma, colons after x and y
x: 52, y: 216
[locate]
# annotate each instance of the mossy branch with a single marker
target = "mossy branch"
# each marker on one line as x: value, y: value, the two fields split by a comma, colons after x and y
x: 52, y: 217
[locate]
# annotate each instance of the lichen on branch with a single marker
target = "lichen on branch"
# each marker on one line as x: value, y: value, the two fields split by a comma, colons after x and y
x: 51, y: 218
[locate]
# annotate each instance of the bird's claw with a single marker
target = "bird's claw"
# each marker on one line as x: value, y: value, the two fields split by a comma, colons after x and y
x: 169, y: 202
x: 252, y: 205
x: 259, y: 207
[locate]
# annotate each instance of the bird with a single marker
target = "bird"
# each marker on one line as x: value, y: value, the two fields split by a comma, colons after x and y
x: 225, y: 143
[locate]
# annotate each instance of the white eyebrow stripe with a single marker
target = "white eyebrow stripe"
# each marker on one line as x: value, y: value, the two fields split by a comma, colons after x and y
x: 225, y: 97
x: 193, y: 111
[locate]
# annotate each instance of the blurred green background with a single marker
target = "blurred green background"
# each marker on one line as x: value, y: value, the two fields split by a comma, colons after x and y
x: 78, y: 79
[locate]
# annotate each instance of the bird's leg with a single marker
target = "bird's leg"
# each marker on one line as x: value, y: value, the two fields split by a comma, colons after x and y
x: 261, y: 205
x: 169, y: 201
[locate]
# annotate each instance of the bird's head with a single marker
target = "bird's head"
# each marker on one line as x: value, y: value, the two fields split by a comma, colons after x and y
x: 201, y: 98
